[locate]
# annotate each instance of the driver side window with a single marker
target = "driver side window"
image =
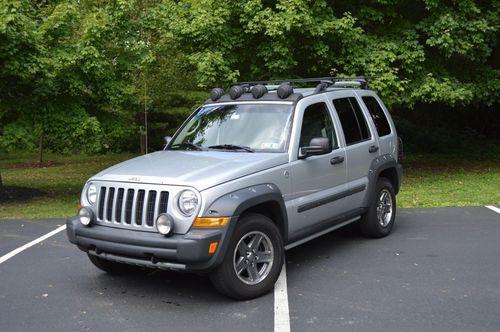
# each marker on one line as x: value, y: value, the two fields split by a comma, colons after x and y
x: 317, y: 122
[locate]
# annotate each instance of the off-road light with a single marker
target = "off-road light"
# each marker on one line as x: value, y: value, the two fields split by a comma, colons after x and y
x: 164, y: 224
x: 284, y: 90
x: 92, y: 194
x: 258, y: 91
x: 85, y: 215
x: 187, y: 202
x: 236, y: 91
x: 216, y: 94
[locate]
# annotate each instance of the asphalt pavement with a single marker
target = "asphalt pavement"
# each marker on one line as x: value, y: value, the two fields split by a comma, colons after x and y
x: 438, y: 271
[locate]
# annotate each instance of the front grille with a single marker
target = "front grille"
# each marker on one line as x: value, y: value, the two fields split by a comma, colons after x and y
x: 130, y: 207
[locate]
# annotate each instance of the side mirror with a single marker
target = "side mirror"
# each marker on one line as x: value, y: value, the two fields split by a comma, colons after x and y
x: 317, y: 146
x: 166, y: 140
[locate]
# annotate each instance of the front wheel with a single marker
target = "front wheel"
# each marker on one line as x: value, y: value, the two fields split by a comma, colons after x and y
x: 253, y: 260
x: 379, y: 219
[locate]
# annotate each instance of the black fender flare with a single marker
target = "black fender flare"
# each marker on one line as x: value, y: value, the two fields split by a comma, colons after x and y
x: 377, y: 166
x: 234, y: 204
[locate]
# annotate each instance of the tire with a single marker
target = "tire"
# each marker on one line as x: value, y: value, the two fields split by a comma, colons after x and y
x: 378, y: 221
x: 236, y: 277
x: 109, y: 266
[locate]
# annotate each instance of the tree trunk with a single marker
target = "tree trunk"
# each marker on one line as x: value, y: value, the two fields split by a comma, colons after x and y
x: 40, y: 146
x: 142, y: 143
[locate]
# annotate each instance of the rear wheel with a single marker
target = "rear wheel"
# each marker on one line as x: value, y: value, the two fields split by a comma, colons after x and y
x: 109, y: 266
x: 253, y: 260
x: 379, y: 219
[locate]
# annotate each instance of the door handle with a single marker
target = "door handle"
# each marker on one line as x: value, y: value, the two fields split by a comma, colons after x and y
x: 373, y: 148
x: 337, y: 160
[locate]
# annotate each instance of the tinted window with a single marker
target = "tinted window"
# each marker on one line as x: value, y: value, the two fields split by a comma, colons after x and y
x: 317, y: 123
x: 363, y: 127
x: 352, y: 120
x: 378, y: 116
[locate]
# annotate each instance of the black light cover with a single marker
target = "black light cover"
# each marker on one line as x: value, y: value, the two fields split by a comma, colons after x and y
x: 258, y: 91
x: 236, y: 91
x: 284, y: 90
x: 216, y: 94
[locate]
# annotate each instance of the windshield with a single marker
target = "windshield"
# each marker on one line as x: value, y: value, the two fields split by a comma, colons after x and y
x: 241, y: 127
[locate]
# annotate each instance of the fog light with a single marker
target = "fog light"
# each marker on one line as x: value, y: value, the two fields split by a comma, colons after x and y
x: 85, y: 215
x: 164, y: 224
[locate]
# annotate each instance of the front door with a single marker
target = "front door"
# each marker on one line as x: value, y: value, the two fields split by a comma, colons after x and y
x: 317, y: 181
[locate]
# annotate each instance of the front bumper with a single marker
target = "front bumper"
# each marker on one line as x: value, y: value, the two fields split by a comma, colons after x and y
x: 182, y: 252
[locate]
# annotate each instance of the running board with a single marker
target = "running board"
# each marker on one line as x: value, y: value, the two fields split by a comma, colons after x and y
x: 323, y: 232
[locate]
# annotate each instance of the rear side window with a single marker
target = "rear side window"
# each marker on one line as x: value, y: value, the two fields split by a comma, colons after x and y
x: 378, y: 116
x: 352, y: 120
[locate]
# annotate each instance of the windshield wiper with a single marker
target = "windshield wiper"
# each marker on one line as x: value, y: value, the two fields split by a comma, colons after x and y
x: 187, y: 145
x: 231, y: 147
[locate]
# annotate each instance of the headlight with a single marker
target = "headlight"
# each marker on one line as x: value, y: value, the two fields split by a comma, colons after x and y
x: 187, y: 202
x: 92, y: 194
x: 164, y: 224
x: 85, y: 215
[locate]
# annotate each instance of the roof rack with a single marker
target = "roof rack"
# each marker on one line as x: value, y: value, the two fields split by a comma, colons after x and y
x: 324, y: 81
x: 284, y: 88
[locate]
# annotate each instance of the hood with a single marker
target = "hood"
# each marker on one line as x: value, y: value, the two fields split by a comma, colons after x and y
x: 198, y: 169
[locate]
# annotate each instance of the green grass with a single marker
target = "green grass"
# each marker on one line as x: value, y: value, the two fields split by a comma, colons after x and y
x: 62, y: 182
x: 437, y: 181
x: 429, y: 181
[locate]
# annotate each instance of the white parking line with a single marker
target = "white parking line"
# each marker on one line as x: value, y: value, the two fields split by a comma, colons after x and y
x: 281, y: 313
x: 493, y: 208
x: 31, y: 244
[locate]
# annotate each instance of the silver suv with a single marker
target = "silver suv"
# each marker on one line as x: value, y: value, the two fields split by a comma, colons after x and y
x: 248, y: 175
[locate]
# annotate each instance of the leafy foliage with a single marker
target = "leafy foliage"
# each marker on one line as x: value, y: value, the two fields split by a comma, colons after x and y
x: 70, y: 68
x: 424, y: 51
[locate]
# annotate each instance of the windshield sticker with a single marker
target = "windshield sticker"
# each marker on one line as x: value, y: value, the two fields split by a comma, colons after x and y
x: 268, y: 145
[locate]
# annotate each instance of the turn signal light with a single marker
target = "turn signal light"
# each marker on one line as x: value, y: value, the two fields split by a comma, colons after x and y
x: 213, y: 247
x: 211, y: 222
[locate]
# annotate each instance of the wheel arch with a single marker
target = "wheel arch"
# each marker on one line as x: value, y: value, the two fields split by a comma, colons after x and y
x: 265, y: 199
x: 391, y: 174
x: 384, y: 166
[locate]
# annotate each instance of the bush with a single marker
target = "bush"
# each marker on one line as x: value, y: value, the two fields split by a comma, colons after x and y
x: 16, y: 136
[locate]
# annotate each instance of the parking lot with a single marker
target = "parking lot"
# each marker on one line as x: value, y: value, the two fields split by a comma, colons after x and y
x: 439, y: 270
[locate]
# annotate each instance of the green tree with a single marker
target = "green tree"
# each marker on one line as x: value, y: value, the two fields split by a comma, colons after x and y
x: 425, y: 51
x: 65, y: 64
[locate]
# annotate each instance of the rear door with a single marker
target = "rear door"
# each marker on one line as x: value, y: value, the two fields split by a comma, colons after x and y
x: 381, y: 121
x: 361, y: 146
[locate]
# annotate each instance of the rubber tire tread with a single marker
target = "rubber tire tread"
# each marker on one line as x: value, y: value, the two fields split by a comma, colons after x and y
x: 224, y: 278
x: 368, y: 224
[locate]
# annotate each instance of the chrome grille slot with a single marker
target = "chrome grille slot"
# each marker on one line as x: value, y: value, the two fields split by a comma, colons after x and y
x: 150, y: 212
x: 123, y: 207
x: 102, y: 196
x: 162, y: 207
x: 119, y: 205
x: 139, y: 206
x: 110, y: 200
x: 128, y: 206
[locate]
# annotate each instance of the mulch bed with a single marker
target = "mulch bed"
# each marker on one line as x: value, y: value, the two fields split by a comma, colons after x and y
x: 19, y: 194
